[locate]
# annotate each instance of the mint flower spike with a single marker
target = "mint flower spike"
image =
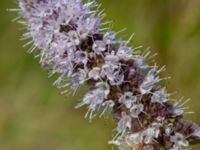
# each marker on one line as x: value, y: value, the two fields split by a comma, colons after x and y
x: 71, y: 40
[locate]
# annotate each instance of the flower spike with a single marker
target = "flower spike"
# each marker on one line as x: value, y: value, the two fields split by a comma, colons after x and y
x: 71, y: 40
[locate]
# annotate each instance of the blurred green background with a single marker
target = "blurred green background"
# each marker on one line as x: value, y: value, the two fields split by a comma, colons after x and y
x: 34, y: 116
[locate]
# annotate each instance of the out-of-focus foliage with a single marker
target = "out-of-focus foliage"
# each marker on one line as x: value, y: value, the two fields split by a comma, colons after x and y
x: 33, y: 116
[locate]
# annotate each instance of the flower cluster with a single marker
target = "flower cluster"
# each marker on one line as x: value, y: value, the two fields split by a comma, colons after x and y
x: 75, y: 43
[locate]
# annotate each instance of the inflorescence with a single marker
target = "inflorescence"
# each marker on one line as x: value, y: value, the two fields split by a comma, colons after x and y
x: 72, y: 40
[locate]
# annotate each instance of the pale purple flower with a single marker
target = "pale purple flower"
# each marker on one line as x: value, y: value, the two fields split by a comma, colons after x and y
x: 135, y: 138
x: 179, y: 141
x: 128, y: 99
x: 124, y: 123
x: 136, y: 109
x: 71, y: 40
x: 99, y: 46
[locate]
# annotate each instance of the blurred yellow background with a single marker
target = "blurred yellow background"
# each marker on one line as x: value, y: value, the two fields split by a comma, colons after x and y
x: 34, y: 116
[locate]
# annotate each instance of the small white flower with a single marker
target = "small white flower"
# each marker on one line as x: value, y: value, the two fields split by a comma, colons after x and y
x: 125, y: 53
x: 108, y: 70
x: 135, y: 138
x: 149, y: 135
x: 112, y: 72
x: 149, y: 81
x: 169, y: 129
x: 118, y: 78
x: 112, y: 58
x: 109, y: 37
x: 124, y: 123
x: 104, y: 87
x: 108, y: 107
x: 141, y: 63
x: 99, y: 47
x: 81, y: 57
x: 94, y: 99
x: 136, y: 109
x: 179, y: 141
x: 78, y: 78
x: 128, y: 99
x: 88, y: 25
x: 159, y: 96
x: 178, y: 111
x: 73, y: 37
x: 94, y: 73
x: 197, y: 132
